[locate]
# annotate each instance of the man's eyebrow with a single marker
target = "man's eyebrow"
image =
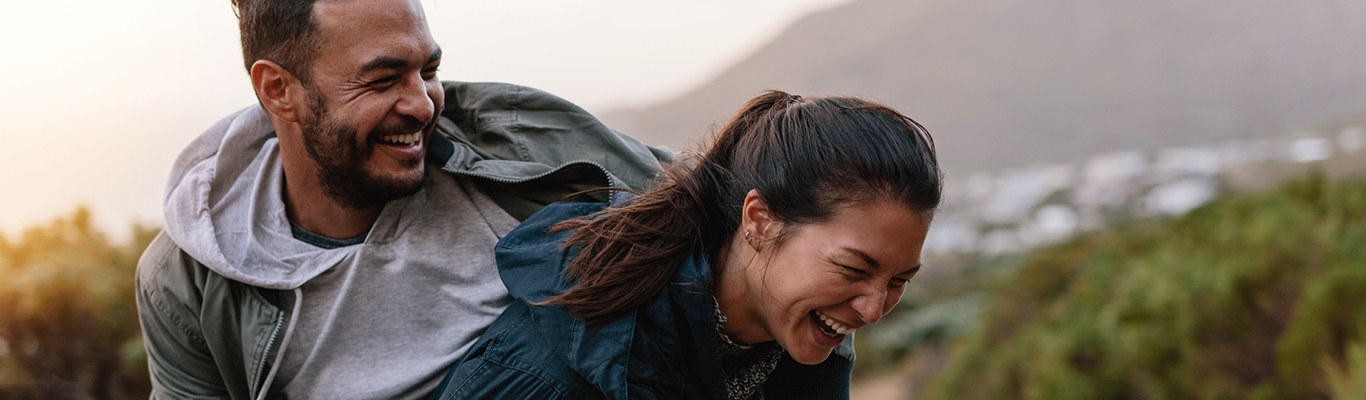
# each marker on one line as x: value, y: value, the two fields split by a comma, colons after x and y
x: 392, y: 62
x: 911, y: 271
x: 384, y: 62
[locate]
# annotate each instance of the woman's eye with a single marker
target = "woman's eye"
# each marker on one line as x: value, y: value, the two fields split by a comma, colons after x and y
x: 852, y: 269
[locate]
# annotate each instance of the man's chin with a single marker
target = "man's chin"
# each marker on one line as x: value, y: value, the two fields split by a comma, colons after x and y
x: 364, y: 190
x: 403, y: 183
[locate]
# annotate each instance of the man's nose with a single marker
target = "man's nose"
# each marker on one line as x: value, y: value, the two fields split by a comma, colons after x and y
x: 414, y: 101
x: 870, y: 303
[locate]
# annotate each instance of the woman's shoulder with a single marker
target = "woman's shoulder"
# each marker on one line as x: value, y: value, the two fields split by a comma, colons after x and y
x: 666, y: 342
x: 535, y: 230
x: 531, y: 259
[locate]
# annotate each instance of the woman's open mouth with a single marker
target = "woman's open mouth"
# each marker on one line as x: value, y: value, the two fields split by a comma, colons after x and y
x: 828, y: 326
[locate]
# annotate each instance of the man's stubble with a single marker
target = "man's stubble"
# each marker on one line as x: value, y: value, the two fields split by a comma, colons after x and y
x: 341, y: 160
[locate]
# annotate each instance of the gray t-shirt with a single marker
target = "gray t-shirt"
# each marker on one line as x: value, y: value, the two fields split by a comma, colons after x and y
x: 392, y: 317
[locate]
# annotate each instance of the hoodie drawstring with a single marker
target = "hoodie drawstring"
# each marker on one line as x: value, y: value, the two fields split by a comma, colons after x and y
x: 284, y: 343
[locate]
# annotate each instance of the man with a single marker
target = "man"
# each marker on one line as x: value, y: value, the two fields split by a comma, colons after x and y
x: 336, y: 241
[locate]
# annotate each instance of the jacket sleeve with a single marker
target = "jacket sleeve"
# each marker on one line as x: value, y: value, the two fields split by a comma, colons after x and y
x: 178, y: 358
x: 661, y: 154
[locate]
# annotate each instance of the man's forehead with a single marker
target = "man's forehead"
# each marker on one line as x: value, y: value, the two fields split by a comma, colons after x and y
x: 362, y: 30
x: 348, y: 15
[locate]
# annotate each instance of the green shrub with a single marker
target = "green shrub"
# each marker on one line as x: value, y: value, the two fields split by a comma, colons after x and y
x: 1254, y: 296
x: 68, y: 321
x: 1349, y: 383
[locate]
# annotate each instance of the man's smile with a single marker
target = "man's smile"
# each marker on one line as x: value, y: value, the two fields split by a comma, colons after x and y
x: 402, y: 140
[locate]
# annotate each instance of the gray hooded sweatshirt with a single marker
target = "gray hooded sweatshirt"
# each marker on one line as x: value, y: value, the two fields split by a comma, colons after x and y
x: 379, y: 319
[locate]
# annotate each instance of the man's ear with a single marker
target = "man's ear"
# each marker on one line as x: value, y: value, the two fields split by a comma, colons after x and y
x: 278, y: 89
x: 755, y: 217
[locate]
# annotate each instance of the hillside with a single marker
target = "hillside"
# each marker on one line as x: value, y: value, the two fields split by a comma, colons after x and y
x: 1254, y: 296
x: 1010, y: 82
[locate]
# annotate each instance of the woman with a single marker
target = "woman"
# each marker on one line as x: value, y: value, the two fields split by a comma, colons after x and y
x: 801, y: 224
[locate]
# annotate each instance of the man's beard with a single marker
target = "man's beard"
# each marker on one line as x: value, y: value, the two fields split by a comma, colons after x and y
x: 341, y: 160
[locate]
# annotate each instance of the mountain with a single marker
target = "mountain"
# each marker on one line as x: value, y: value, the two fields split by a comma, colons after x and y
x: 1003, y: 83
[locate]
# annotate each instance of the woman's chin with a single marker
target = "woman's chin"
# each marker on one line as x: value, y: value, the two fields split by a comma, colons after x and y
x: 810, y: 356
x: 814, y: 346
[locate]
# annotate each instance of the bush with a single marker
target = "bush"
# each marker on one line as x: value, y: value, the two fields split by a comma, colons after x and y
x: 68, y: 322
x: 1256, y: 296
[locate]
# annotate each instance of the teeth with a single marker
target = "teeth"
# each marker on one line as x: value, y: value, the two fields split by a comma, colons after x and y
x: 834, y: 326
x: 403, y: 139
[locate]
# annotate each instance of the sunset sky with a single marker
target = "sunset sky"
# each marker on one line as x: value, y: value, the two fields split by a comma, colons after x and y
x: 99, y: 97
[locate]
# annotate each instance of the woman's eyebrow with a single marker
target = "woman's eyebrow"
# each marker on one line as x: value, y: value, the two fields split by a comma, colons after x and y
x: 873, y: 263
x: 866, y: 258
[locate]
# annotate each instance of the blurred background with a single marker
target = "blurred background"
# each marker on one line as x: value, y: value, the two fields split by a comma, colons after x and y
x: 1145, y: 200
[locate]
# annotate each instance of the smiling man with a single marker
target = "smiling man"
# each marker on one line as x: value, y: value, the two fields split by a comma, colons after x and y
x: 336, y: 240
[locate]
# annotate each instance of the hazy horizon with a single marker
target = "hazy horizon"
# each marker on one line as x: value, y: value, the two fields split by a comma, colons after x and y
x: 102, y: 96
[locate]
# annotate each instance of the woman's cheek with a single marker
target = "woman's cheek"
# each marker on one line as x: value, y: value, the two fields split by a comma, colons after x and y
x: 893, y: 299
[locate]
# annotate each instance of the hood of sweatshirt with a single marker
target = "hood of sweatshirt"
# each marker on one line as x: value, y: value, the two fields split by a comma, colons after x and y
x: 224, y: 207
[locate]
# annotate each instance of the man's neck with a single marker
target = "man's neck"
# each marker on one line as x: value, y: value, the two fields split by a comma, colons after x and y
x: 318, y: 213
x: 306, y: 203
x: 309, y: 207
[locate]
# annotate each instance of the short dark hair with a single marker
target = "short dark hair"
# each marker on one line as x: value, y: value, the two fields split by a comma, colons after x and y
x: 282, y: 31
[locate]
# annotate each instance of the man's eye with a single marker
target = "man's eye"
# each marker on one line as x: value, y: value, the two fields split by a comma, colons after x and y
x: 385, y: 80
x: 897, y: 283
x: 429, y: 73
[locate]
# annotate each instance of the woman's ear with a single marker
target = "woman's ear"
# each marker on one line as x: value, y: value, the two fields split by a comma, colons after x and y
x: 756, y: 220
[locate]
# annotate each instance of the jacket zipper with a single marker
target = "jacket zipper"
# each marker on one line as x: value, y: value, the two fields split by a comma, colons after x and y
x: 260, y: 367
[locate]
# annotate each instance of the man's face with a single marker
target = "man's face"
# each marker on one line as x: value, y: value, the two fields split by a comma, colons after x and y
x: 373, y: 99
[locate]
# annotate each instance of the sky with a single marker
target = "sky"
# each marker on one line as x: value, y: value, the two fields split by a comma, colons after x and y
x: 99, y: 97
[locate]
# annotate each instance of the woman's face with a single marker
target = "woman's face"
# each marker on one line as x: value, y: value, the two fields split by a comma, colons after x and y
x: 825, y: 279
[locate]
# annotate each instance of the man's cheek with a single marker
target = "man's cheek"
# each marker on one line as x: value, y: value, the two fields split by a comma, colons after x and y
x: 438, y: 97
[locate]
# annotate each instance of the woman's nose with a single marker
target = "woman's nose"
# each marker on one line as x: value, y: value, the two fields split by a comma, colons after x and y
x: 870, y: 304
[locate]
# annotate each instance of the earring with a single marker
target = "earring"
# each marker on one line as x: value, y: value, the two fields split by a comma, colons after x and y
x: 748, y: 238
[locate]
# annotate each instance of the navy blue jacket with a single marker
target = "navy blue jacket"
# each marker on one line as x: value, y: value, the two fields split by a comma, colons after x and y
x: 664, y: 349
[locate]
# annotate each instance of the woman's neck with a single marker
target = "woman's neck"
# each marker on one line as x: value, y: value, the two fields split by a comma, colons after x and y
x: 736, y: 297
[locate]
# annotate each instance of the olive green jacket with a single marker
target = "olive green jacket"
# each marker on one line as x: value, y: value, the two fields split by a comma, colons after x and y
x: 208, y: 336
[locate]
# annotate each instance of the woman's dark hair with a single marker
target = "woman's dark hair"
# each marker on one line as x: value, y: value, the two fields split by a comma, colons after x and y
x: 805, y: 157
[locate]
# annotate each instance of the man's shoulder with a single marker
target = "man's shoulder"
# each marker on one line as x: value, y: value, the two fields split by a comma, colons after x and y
x: 164, y: 262
x: 498, y: 95
x: 167, y: 274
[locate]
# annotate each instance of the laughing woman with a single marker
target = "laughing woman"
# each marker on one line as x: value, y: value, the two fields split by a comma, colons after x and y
x: 801, y: 224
